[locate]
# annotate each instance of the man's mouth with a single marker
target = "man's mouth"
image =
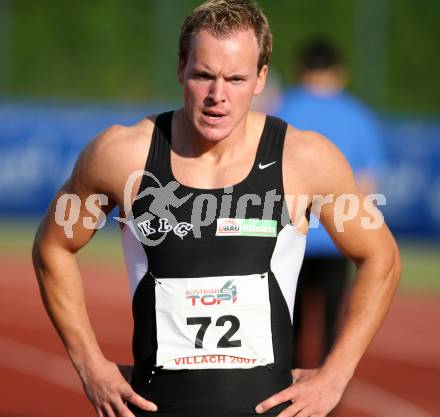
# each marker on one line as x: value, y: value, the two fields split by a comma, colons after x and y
x: 213, y: 113
x: 213, y: 116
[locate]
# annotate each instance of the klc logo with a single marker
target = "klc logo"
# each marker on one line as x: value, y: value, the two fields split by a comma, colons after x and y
x: 226, y: 293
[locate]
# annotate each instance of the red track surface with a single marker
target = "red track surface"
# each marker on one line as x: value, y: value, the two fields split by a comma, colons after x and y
x: 399, y: 376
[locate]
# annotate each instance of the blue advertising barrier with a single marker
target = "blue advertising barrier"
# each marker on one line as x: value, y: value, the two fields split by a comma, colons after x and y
x: 39, y: 144
x: 411, y: 179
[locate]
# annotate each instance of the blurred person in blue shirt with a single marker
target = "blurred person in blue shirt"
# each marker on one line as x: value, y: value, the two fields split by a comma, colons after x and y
x: 320, y: 103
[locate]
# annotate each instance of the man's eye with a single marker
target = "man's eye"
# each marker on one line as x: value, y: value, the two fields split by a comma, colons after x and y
x: 203, y: 76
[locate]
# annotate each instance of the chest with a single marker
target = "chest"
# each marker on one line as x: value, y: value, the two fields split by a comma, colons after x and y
x: 198, y: 173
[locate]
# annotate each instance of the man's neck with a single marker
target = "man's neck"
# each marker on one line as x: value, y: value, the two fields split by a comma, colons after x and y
x: 188, y: 142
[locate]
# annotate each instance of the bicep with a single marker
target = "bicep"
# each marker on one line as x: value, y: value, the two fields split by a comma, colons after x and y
x: 351, y: 218
x: 78, y: 209
x: 356, y: 225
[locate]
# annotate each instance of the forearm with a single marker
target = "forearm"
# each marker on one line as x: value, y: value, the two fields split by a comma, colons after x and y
x: 63, y: 296
x: 369, y: 301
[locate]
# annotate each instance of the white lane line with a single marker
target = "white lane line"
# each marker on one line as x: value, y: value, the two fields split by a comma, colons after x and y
x: 38, y: 363
x: 378, y: 402
x: 406, y: 347
x: 404, y: 357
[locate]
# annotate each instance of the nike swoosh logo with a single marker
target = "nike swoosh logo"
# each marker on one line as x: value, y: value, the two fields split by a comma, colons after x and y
x: 261, y: 166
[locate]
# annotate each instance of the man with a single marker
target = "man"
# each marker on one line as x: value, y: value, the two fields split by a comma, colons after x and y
x: 320, y: 103
x: 213, y: 300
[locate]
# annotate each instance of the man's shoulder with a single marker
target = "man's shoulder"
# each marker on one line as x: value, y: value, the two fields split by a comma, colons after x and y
x: 306, y: 145
x: 126, y: 139
x: 110, y: 158
x: 312, y: 158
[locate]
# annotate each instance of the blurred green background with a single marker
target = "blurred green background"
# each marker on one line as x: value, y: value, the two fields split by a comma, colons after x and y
x: 111, y: 50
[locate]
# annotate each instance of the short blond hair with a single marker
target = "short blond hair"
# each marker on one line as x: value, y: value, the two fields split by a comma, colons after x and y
x: 223, y: 17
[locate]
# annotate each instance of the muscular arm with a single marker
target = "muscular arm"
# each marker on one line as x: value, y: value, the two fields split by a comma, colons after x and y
x: 318, y: 168
x: 55, y: 263
x: 100, y: 169
x: 372, y: 249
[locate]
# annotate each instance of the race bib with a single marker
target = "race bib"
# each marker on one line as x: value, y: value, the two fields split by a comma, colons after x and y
x: 213, y: 322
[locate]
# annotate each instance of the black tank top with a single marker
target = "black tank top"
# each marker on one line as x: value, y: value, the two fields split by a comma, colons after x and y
x: 180, y: 234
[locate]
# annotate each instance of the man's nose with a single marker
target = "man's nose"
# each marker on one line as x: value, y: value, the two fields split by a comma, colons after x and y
x: 217, y: 90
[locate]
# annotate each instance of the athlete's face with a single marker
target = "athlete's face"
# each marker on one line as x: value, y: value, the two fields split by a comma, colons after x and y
x: 219, y: 79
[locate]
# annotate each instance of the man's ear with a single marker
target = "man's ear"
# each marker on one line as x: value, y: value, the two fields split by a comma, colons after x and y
x: 261, y: 80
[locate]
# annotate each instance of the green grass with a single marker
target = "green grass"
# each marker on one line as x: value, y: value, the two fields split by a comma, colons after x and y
x: 421, y: 260
x: 16, y: 240
x: 421, y: 266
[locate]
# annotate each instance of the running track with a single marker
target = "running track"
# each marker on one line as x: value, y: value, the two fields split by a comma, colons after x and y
x: 399, y: 376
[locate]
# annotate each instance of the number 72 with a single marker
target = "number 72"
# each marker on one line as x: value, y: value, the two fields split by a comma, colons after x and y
x: 204, y: 323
